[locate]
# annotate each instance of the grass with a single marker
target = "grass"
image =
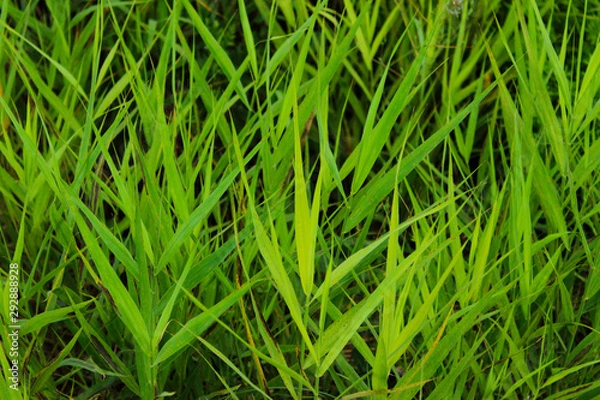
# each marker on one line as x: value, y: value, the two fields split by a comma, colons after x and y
x: 343, y: 199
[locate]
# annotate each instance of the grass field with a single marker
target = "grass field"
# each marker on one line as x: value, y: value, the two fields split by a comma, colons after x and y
x: 300, y: 199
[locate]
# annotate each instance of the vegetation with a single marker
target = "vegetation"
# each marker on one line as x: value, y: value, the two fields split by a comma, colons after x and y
x: 307, y: 199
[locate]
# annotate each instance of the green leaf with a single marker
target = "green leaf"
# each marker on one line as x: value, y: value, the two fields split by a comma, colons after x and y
x: 197, y: 325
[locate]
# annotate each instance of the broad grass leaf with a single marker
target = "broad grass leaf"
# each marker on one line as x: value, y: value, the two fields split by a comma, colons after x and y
x: 270, y: 252
x: 46, y: 318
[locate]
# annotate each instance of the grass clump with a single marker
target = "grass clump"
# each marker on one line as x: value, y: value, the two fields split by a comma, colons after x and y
x: 301, y: 199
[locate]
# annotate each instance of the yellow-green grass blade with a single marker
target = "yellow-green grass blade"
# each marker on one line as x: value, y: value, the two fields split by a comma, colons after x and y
x: 351, y: 262
x: 269, y: 249
x: 483, y: 249
x: 248, y: 37
x: 382, y: 33
x: 579, y: 392
x: 46, y: 373
x: 521, y: 232
x: 38, y: 321
x: 587, y: 91
x: 231, y: 365
x: 372, y: 194
x: 327, y: 159
x: 287, y: 9
x: 327, y: 74
x: 290, y: 101
x: 275, y: 352
x: 64, y: 71
x: 198, y: 271
x: 465, y: 321
x: 388, y: 323
x: 196, y: 217
x: 285, y: 50
x: 361, y: 39
x: 588, y: 165
x: 306, y: 225
x: 305, y: 217
x: 538, y: 97
x: 6, y: 383
x: 375, y: 135
x: 165, y: 316
x: 339, y: 333
x: 28, y: 72
x: 126, y: 306
x: 276, y: 360
x: 216, y: 50
x: 305, y: 220
x: 117, y: 247
x: 416, y: 323
x: 450, y: 382
x: 186, y: 335
x: 558, y: 69
x: 543, y: 183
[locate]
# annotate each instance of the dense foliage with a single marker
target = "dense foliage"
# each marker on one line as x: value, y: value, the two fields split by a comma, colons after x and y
x: 307, y: 199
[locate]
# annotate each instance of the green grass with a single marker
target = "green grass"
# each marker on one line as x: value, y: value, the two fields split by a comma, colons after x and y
x: 228, y: 199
